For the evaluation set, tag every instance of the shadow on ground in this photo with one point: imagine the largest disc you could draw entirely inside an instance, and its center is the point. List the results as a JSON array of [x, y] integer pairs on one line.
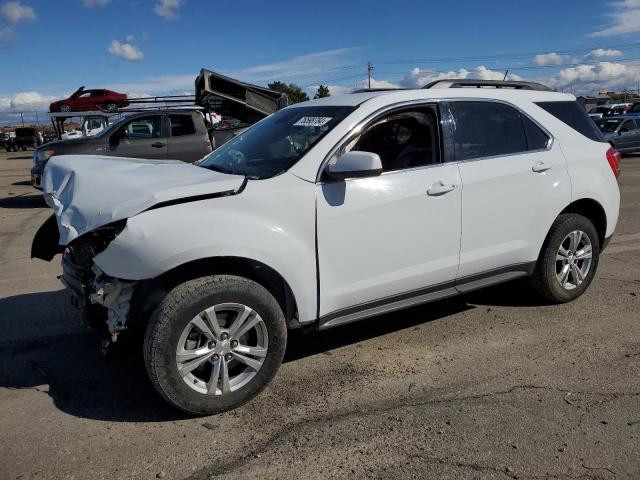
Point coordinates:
[[22, 182], [34, 200], [46, 346], [21, 157]]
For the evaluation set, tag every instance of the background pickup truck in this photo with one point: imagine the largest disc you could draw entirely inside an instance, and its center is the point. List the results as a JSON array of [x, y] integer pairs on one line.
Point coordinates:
[[159, 134]]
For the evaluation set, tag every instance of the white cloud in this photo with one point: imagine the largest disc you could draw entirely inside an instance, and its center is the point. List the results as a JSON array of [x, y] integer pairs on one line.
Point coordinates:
[[603, 76], [125, 50], [334, 89], [551, 58], [22, 101], [16, 12], [602, 53], [624, 19], [376, 84], [95, 3], [168, 8], [418, 78], [295, 66]]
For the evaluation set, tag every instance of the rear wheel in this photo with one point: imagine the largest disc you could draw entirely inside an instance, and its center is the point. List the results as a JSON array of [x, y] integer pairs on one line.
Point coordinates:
[[568, 260], [214, 343], [111, 107]]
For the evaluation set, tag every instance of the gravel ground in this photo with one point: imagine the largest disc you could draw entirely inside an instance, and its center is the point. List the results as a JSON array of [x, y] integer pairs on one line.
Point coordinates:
[[488, 385]]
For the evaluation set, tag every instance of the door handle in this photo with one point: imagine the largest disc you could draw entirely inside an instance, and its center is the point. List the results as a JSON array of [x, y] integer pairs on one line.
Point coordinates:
[[157, 145], [440, 188], [541, 166]]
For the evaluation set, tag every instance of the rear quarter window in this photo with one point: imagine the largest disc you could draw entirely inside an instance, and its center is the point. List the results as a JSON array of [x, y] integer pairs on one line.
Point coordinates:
[[181, 125], [574, 115]]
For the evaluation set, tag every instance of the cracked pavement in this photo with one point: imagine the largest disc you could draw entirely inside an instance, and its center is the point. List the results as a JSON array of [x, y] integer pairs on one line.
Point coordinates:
[[487, 385]]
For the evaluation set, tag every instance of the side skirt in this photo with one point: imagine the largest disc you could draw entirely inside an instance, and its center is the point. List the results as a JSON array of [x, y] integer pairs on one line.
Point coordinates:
[[424, 295]]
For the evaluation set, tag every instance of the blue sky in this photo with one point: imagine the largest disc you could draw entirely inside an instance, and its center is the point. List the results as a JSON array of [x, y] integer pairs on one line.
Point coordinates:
[[48, 48]]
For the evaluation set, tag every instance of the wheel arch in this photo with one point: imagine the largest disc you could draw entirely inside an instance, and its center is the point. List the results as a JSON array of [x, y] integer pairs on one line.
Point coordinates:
[[249, 268], [594, 211]]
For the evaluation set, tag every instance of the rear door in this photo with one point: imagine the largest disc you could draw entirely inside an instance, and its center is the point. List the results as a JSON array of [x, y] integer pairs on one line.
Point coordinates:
[[142, 137], [515, 182], [188, 140]]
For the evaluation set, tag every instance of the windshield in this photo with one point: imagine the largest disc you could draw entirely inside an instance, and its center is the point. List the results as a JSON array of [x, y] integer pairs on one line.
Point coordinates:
[[113, 127], [275, 144], [608, 125]]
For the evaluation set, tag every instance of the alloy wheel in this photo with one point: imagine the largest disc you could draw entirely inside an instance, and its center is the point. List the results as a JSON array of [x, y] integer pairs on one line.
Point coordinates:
[[574, 259], [222, 349]]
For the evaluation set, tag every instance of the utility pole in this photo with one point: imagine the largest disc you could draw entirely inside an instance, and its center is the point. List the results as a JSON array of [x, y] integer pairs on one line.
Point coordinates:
[[22, 118], [369, 70], [37, 120]]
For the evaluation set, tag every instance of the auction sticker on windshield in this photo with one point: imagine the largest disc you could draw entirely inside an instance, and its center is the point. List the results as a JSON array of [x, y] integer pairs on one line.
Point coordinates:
[[312, 121]]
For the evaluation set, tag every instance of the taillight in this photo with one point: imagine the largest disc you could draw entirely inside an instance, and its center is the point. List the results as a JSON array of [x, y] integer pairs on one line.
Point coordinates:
[[614, 157]]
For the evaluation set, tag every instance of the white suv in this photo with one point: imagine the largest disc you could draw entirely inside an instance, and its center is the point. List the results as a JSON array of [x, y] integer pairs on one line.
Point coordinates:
[[324, 213]]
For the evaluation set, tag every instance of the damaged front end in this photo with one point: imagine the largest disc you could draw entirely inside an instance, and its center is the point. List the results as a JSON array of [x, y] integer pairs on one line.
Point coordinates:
[[104, 301]]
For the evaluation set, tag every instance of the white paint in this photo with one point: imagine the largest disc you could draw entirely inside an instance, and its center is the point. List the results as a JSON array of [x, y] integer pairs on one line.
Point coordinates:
[[377, 236]]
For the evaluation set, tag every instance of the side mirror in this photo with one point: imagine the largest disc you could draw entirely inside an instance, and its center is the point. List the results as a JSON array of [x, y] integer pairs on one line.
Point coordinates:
[[355, 165]]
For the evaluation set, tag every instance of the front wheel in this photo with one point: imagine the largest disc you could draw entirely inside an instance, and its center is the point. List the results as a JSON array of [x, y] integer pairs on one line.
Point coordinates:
[[568, 260], [214, 343]]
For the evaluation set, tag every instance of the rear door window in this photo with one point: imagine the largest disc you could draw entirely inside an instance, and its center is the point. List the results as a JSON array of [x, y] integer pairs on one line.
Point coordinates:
[[575, 116], [487, 129], [537, 139], [181, 125]]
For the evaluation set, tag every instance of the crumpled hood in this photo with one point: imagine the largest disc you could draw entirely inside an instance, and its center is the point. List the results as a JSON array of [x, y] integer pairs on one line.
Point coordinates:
[[90, 191]]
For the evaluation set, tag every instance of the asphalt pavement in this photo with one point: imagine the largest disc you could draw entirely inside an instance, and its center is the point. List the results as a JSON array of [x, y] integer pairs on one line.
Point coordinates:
[[487, 385]]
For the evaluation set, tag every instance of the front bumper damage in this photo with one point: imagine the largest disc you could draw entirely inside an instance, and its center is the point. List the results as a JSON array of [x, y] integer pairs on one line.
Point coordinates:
[[104, 302], [91, 289]]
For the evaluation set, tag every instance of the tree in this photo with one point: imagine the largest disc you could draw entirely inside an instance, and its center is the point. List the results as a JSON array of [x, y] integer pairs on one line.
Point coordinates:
[[323, 91], [293, 91]]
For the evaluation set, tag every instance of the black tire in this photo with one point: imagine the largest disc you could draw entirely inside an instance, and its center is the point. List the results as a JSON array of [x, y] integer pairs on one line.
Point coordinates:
[[111, 107], [544, 280], [175, 312], [65, 108]]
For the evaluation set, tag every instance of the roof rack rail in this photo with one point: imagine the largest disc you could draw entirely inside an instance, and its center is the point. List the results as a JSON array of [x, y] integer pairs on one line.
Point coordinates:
[[381, 89], [464, 83]]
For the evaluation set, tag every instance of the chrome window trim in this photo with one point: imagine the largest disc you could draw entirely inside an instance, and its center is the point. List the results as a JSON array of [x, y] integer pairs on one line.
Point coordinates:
[[347, 137], [357, 129], [524, 152]]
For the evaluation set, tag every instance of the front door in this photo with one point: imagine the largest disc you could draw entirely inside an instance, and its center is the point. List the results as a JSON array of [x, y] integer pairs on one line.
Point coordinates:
[[395, 237], [141, 137]]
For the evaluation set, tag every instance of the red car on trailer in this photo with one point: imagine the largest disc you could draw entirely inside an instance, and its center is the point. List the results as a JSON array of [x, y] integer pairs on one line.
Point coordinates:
[[87, 100]]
